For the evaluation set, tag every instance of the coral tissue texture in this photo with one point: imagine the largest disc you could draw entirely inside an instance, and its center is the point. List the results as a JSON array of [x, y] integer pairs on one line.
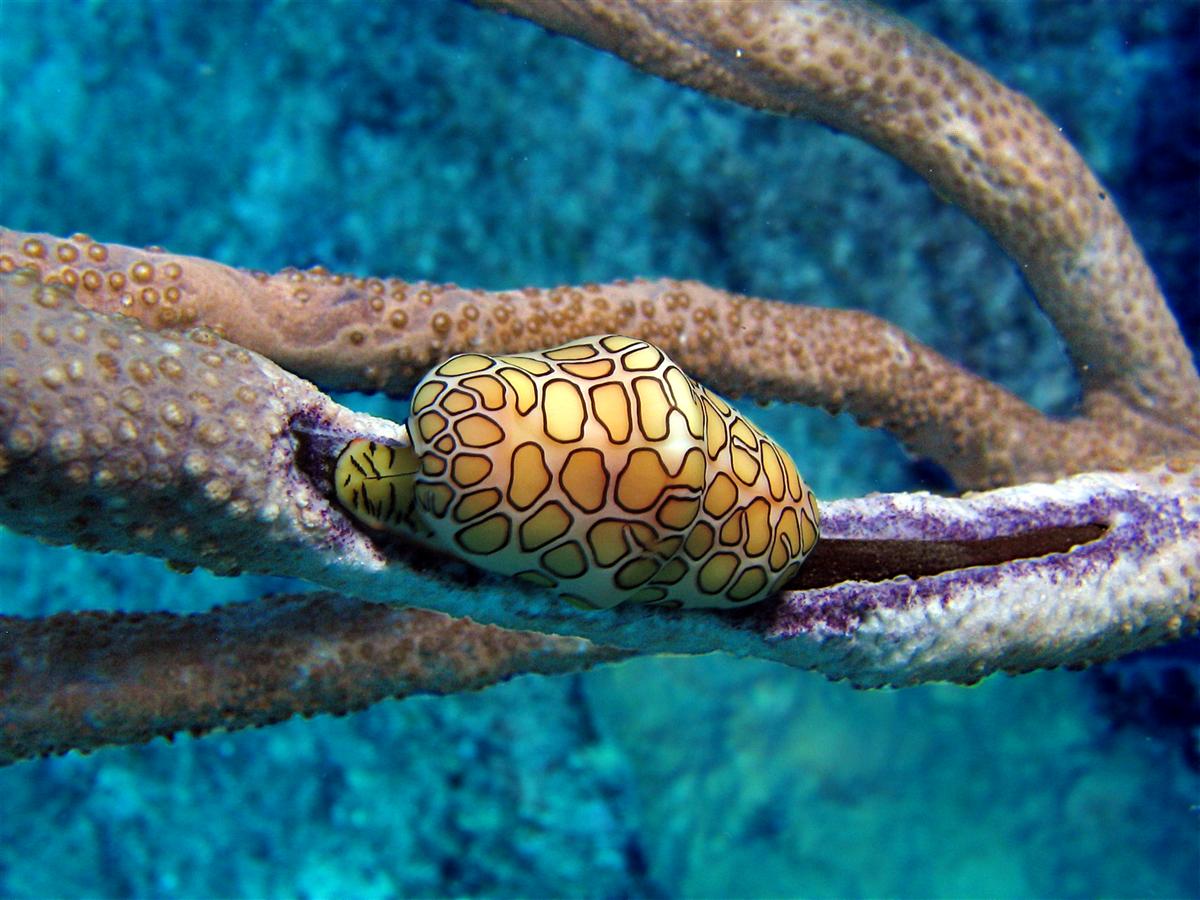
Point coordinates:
[[156, 674], [59, 478], [198, 445], [353, 332], [979, 144]]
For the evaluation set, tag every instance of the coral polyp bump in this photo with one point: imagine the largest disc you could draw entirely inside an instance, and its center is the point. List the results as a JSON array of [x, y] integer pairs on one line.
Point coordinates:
[[596, 468]]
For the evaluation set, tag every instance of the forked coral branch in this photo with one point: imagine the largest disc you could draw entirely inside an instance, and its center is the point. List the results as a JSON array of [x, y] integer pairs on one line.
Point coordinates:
[[122, 431]]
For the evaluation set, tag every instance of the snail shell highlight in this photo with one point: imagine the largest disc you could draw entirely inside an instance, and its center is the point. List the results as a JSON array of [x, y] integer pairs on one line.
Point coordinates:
[[598, 469]]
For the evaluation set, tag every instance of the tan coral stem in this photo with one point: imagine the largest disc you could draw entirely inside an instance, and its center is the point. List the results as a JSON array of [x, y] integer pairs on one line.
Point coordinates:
[[79, 681], [362, 333], [982, 146]]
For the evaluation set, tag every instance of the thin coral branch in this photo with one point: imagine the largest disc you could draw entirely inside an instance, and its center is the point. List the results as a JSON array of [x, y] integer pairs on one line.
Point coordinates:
[[350, 332], [79, 681], [982, 146], [126, 435], [97, 455], [849, 65]]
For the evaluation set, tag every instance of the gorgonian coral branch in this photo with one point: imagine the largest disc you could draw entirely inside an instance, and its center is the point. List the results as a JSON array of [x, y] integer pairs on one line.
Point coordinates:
[[984, 147], [349, 332], [193, 447], [849, 65], [98, 416], [78, 681]]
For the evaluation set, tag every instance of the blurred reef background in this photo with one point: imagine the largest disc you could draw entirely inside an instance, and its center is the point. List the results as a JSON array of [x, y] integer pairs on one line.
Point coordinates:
[[430, 140]]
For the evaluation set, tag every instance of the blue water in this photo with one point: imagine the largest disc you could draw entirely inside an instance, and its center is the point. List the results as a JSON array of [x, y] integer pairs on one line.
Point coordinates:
[[431, 140]]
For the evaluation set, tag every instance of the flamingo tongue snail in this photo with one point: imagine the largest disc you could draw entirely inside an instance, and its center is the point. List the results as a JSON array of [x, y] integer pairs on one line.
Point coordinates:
[[596, 468]]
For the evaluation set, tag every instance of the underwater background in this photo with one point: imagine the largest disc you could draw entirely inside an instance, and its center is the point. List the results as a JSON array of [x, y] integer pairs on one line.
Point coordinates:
[[431, 140]]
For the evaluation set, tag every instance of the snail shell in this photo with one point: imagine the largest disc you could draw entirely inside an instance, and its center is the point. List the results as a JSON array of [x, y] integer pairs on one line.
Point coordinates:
[[598, 469]]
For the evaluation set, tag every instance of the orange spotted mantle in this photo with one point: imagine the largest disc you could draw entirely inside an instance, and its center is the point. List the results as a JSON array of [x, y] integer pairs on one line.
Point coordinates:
[[598, 469]]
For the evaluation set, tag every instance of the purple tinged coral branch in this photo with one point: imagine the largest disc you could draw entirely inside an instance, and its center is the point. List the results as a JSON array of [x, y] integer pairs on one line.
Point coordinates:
[[252, 503], [1134, 586], [193, 447]]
